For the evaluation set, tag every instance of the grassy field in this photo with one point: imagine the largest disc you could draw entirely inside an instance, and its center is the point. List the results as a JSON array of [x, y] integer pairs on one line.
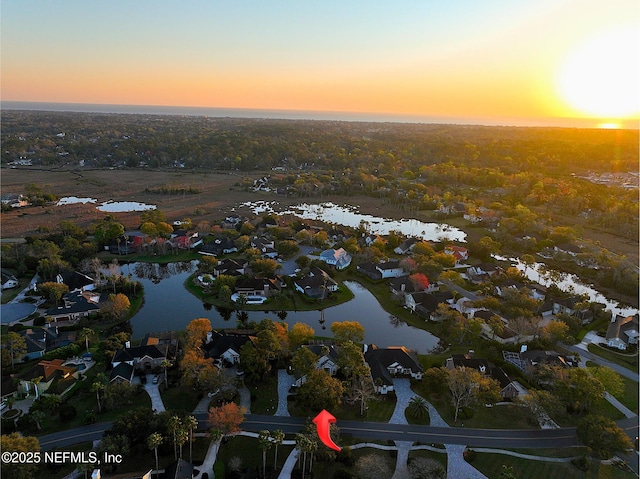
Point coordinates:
[[491, 466]]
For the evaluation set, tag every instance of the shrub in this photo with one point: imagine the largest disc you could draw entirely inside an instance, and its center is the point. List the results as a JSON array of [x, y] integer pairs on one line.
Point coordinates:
[[39, 321], [67, 412], [469, 455], [581, 463], [90, 418], [345, 456]]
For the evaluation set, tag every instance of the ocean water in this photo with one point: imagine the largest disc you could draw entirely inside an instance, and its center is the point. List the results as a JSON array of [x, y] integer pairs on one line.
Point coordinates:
[[290, 114]]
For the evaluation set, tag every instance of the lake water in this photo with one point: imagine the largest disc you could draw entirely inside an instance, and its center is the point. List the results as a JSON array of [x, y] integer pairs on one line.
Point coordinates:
[[348, 215], [570, 282], [169, 306], [107, 206]]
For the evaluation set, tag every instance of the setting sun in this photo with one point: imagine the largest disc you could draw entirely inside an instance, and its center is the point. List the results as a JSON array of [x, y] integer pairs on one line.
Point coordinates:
[[600, 77]]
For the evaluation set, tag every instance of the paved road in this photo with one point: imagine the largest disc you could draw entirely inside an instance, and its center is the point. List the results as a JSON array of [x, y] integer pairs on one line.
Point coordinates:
[[582, 350], [499, 438]]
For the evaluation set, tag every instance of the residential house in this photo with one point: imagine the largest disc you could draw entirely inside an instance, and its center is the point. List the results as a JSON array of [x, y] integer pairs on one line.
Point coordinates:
[[537, 291], [76, 281], [528, 360], [183, 239], [35, 342], [406, 246], [39, 341], [369, 239], [327, 361], [482, 272], [460, 253], [230, 267], [568, 248], [143, 359], [77, 304], [508, 389], [224, 346], [568, 306], [369, 269], [336, 257], [404, 285], [53, 377], [382, 270], [126, 244], [265, 246], [317, 284], [264, 287], [425, 304], [452, 208], [233, 220], [622, 332], [14, 200], [218, 246], [508, 284], [385, 363], [8, 280]]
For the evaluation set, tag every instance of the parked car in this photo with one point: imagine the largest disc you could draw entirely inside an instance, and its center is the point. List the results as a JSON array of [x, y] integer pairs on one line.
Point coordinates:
[[155, 379]]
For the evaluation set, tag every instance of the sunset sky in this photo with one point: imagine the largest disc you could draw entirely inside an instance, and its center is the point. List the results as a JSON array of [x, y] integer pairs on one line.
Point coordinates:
[[502, 61]]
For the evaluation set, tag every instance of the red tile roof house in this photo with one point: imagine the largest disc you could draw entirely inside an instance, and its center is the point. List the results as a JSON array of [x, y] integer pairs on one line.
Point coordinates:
[[460, 253], [44, 375]]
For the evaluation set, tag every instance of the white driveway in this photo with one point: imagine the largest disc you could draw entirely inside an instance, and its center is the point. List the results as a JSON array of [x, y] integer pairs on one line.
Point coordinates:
[[154, 393]]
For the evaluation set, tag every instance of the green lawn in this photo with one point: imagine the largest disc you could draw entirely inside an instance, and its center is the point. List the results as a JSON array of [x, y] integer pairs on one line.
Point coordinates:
[[629, 361], [264, 396], [379, 410], [491, 466], [246, 448], [180, 399]]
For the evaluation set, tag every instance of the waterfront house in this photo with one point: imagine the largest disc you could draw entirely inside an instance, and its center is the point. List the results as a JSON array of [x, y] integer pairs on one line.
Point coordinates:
[[336, 257], [317, 284]]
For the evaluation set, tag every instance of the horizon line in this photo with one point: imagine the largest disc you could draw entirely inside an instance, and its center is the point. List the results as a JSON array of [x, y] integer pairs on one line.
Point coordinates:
[[318, 115]]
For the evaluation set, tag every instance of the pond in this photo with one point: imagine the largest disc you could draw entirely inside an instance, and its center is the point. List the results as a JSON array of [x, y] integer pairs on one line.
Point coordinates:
[[348, 215], [169, 306], [107, 206]]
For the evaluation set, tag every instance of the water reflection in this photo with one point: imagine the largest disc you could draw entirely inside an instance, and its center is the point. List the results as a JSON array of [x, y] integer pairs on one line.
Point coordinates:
[[169, 306], [540, 273], [348, 215], [225, 313]]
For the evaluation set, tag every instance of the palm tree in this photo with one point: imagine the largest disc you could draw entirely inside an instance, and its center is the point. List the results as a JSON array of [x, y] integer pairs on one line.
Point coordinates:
[[418, 407], [164, 365], [98, 387], [190, 423], [153, 441], [86, 334], [38, 416], [182, 436], [264, 443], [173, 425], [278, 439]]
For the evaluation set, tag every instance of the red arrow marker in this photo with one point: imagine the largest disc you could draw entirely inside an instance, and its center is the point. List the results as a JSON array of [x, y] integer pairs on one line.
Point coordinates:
[[322, 422]]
